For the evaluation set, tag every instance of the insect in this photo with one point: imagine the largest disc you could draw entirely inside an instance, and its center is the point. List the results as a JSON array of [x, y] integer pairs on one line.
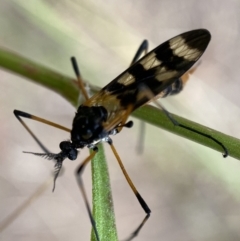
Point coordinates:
[[105, 113]]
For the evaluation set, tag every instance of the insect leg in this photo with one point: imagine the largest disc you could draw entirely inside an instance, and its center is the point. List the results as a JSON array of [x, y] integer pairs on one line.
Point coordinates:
[[78, 173], [142, 48], [129, 124], [20, 114], [8, 220], [150, 96], [79, 78], [137, 194]]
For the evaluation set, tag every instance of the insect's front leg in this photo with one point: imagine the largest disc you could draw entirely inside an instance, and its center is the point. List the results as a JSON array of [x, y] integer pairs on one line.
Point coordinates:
[[41, 189], [22, 114]]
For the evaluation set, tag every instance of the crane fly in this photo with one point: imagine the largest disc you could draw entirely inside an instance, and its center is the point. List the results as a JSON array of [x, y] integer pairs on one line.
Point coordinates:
[[157, 74]]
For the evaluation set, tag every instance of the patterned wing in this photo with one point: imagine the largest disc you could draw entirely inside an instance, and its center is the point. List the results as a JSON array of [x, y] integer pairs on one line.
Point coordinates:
[[155, 71]]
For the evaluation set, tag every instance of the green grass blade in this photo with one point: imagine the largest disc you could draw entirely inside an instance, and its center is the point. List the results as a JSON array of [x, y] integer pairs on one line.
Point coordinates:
[[102, 199]]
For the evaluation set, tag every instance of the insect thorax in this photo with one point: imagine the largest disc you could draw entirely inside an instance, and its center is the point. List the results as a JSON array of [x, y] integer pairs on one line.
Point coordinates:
[[87, 127]]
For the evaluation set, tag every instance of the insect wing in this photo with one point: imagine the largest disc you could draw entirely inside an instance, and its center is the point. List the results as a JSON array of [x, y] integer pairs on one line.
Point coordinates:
[[159, 68]]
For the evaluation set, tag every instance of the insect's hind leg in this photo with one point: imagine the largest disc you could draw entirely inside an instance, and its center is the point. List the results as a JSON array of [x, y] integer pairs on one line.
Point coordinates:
[[150, 96], [22, 114]]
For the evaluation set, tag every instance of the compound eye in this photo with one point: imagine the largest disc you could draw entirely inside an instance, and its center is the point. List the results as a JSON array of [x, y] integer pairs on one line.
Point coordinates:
[[72, 155], [87, 134]]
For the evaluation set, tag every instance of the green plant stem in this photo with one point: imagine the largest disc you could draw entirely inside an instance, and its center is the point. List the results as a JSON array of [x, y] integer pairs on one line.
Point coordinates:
[[37, 73], [102, 199], [158, 118]]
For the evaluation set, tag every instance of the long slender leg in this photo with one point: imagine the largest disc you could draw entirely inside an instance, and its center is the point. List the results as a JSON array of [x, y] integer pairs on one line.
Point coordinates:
[[79, 173], [20, 114], [46, 153], [137, 194], [8, 220], [143, 48], [150, 96], [79, 78]]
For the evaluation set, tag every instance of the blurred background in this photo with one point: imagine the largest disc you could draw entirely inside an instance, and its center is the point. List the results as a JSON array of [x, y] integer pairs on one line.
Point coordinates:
[[194, 193]]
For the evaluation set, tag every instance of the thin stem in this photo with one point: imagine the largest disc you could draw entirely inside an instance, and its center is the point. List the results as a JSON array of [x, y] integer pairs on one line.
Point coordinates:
[[158, 118], [102, 199]]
